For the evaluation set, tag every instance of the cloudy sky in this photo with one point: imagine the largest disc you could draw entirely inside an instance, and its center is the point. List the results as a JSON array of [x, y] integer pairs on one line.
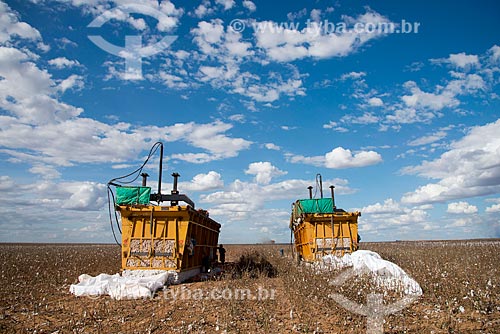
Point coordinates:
[[396, 103]]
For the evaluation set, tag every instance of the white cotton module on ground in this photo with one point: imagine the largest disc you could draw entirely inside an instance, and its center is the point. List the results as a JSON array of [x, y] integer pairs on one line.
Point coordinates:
[[384, 273], [132, 284]]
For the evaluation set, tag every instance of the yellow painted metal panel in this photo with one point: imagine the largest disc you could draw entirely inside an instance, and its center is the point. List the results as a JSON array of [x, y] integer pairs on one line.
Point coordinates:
[[320, 234], [166, 237]]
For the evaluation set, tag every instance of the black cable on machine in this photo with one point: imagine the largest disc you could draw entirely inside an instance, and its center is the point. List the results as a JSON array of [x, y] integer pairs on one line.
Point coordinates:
[[110, 191], [152, 151], [117, 182], [319, 185], [111, 219]]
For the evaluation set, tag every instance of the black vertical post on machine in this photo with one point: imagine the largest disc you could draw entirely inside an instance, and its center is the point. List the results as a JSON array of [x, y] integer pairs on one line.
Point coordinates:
[[144, 179], [310, 192], [176, 176], [333, 197], [174, 197], [318, 176], [174, 190], [160, 172]]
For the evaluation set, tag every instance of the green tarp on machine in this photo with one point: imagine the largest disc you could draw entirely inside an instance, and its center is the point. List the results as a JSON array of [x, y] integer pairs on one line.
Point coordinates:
[[320, 205], [132, 195]]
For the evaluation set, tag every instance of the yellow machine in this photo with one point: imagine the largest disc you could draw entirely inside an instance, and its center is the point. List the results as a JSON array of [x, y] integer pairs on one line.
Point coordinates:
[[166, 237], [162, 237], [320, 229]]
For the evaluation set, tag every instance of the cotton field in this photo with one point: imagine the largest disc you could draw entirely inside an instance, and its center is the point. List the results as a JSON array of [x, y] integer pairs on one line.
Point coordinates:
[[263, 290]]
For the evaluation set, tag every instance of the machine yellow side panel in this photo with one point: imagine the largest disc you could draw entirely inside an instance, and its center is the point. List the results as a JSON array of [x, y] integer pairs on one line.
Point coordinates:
[[166, 238], [323, 234]]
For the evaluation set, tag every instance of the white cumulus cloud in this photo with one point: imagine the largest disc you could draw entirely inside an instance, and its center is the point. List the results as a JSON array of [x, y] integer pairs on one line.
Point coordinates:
[[493, 208], [343, 158], [249, 5], [264, 171], [339, 158], [63, 62], [471, 167], [464, 60], [11, 27], [285, 44], [375, 102], [203, 182], [461, 208]]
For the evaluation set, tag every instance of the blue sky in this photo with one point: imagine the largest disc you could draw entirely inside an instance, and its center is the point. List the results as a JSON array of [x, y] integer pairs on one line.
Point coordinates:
[[252, 99]]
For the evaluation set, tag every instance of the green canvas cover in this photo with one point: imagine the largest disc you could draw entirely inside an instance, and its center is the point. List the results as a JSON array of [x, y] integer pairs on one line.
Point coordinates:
[[132, 195], [319, 205]]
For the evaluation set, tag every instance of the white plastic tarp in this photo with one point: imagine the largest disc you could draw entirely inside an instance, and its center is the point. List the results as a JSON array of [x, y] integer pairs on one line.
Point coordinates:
[[130, 285]]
